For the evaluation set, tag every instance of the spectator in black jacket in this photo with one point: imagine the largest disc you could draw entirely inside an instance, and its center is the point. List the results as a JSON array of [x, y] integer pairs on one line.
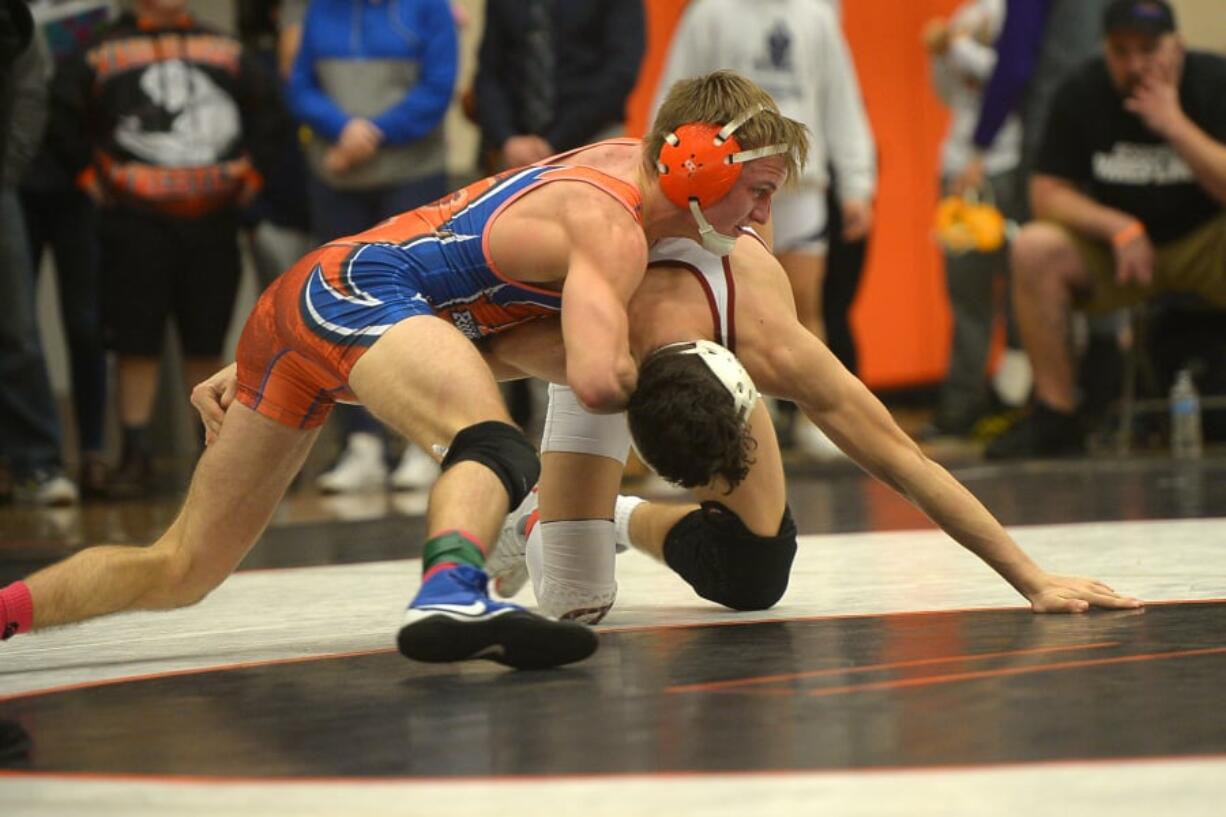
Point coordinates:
[[165, 122], [552, 76]]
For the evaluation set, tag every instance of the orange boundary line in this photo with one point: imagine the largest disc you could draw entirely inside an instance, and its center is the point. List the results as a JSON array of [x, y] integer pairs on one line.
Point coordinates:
[[720, 686], [1004, 671]]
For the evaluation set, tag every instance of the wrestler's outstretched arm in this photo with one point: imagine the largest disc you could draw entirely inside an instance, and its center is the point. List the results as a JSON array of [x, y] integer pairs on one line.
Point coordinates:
[[789, 362]]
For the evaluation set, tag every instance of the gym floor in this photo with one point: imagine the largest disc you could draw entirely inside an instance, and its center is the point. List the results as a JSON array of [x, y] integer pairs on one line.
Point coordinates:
[[898, 674]]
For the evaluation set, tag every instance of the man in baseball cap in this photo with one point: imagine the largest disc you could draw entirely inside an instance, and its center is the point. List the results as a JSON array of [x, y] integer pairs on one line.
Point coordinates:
[[1150, 17], [1129, 192]]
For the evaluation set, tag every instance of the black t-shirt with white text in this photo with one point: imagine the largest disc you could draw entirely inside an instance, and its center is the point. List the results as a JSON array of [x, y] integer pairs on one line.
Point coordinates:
[[1108, 152]]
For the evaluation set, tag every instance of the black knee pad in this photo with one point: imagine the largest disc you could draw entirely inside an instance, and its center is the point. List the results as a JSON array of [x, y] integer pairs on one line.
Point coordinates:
[[503, 449], [727, 563]]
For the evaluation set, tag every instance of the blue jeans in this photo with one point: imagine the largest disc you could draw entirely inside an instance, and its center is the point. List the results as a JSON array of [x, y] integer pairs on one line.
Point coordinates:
[[29, 424], [336, 213]]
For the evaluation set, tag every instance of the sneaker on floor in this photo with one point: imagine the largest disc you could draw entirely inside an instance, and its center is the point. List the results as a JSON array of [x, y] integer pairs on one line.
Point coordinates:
[[1043, 432], [454, 619], [46, 488], [417, 470], [359, 468], [506, 564]]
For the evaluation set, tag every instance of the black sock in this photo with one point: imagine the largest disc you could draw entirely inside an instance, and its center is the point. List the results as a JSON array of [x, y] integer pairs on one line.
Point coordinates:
[[136, 443]]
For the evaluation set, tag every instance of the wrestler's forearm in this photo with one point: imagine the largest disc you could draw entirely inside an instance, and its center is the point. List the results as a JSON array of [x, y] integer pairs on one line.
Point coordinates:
[[867, 432], [955, 509]]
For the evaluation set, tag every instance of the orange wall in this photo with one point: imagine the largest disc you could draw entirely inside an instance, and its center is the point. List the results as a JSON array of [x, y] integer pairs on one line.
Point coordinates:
[[901, 318]]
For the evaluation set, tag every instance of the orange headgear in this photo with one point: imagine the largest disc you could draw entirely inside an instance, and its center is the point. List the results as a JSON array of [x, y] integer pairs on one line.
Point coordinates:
[[701, 161]]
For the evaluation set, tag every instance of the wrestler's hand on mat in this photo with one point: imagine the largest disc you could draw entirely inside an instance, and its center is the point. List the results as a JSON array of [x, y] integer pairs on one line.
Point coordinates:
[[1073, 594], [212, 397]]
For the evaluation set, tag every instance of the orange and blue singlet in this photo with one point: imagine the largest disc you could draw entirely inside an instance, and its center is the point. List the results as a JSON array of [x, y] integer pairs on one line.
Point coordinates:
[[314, 322]]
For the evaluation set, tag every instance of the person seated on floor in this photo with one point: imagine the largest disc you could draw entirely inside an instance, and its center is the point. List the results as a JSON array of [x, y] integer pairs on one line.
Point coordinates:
[[1129, 188]]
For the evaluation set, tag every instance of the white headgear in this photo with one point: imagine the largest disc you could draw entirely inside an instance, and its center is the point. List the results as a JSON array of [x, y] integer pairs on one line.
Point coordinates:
[[726, 368]]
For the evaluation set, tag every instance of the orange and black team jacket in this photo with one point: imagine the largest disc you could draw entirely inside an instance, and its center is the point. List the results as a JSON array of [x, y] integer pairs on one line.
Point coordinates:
[[174, 119]]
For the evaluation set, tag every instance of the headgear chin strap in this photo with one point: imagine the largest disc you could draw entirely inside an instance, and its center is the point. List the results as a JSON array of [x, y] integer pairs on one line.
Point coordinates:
[[726, 368], [699, 163]]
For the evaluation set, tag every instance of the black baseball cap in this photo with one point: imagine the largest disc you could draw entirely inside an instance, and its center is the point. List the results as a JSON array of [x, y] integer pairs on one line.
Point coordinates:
[[1152, 17]]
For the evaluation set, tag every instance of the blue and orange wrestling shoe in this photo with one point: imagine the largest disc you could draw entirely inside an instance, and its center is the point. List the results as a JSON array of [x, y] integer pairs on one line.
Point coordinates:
[[454, 619]]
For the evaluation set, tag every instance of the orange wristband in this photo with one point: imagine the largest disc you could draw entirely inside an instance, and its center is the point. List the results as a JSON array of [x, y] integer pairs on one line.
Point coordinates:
[[1135, 229]]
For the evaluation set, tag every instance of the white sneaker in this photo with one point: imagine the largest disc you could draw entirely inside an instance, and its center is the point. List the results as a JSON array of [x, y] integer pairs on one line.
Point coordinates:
[[46, 489], [360, 467], [417, 470], [1013, 378], [506, 564], [813, 441]]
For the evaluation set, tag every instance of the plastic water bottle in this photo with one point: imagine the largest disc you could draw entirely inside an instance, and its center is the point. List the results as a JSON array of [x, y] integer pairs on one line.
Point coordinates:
[[1186, 440]]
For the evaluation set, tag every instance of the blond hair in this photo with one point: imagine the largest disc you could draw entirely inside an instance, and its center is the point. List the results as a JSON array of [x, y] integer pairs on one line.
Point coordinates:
[[718, 98]]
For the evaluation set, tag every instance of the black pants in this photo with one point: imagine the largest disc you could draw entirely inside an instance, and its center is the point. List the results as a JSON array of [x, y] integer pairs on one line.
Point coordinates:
[[844, 269]]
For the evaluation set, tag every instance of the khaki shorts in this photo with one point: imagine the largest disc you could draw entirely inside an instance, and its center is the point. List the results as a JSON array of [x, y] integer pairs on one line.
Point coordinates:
[[1194, 264]]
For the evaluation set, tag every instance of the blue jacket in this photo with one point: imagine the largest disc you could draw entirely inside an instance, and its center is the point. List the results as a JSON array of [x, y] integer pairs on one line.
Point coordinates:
[[353, 51]]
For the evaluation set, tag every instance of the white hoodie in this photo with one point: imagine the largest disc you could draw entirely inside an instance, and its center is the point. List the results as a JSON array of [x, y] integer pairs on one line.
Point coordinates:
[[794, 49]]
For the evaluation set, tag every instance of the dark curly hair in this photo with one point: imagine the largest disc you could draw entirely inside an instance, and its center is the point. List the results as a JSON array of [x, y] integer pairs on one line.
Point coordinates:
[[685, 425]]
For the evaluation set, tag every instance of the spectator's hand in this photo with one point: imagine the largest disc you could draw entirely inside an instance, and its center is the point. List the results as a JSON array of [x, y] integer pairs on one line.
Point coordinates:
[[857, 219], [1072, 594], [358, 141], [212, 397], [937, 36], [1155, 99], [525, 150], [336, 161], [1134, 261], [971, 177]]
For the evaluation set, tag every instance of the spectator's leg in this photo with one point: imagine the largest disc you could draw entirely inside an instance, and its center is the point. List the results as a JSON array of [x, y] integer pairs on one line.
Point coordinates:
[[1047, 269], [844, 269], [970, 281], [29, 428], [138, 253], [74, 241], [205, 288]]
